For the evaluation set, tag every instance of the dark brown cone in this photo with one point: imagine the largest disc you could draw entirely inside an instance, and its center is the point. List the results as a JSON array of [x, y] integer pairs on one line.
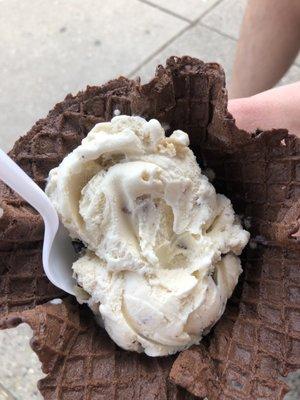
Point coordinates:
[[258, 338]]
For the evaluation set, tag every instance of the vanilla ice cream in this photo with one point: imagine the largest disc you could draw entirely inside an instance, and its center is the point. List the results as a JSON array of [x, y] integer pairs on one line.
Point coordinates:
[[162, 246]]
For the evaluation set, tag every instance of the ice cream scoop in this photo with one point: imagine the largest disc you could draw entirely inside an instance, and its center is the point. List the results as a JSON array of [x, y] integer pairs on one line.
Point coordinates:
[[162, 245]]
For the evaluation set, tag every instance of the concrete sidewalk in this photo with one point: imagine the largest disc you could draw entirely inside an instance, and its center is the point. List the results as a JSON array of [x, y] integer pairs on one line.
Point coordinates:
[[51, 48]]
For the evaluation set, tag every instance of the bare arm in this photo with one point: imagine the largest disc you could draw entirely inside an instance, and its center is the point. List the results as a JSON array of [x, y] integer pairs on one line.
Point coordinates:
[[275, 108], [269, 42]]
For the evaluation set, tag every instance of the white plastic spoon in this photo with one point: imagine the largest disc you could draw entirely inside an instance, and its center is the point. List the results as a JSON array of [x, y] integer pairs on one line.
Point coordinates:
[[58, 252]]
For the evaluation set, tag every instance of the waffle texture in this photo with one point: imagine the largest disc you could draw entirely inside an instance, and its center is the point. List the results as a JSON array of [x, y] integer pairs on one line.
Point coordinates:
[[82, 362], [258, 338]]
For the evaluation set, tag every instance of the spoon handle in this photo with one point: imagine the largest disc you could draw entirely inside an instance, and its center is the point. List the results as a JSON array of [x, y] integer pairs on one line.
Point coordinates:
[[20, 182]]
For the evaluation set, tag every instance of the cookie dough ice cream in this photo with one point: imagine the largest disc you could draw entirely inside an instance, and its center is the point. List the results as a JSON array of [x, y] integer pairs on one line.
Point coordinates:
[[162, 245]]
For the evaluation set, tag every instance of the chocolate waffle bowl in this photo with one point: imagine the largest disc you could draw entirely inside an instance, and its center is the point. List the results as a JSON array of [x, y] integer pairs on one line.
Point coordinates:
[[257, 341]]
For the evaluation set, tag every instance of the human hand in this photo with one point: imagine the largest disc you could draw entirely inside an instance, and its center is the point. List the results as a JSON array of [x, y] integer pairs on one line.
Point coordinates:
[[275, 108]]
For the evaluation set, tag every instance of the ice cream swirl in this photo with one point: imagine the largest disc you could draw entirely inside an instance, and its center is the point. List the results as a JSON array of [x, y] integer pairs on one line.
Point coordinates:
[[162, 246]]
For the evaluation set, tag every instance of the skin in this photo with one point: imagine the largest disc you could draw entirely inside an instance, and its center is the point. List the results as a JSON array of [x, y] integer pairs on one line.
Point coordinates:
[[275, 108], [269, 42]]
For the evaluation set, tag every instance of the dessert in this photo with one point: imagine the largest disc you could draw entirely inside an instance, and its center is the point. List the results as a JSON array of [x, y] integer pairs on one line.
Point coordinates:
[[257, 339], [163, 247]]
